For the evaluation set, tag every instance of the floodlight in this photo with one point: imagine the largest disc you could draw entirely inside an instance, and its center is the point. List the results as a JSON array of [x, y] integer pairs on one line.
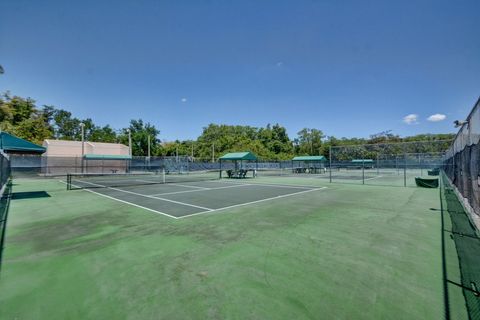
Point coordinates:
[[459, 123]]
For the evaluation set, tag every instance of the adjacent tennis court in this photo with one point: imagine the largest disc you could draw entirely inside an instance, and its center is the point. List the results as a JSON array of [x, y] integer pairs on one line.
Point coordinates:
[[185, 196]]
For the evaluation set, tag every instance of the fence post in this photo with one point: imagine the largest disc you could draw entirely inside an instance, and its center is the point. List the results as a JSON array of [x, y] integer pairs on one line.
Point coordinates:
[[420, 164], [220, 168], [330, 158], [363, 170]]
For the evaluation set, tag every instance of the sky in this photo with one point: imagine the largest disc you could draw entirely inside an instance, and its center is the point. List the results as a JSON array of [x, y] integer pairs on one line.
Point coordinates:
[[348, 68]]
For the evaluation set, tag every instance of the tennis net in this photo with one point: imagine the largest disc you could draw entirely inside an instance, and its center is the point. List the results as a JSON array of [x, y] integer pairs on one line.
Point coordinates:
[[117, 180], [291, 172]]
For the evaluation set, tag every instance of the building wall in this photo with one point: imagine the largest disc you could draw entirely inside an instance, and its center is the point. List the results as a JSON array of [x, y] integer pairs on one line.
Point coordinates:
[[74, 148]]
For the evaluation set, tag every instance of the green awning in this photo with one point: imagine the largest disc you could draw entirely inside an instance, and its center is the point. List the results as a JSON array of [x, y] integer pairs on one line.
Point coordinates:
[[309, 158], [238, 156], [10, 143], [107, 157], [362, 161]]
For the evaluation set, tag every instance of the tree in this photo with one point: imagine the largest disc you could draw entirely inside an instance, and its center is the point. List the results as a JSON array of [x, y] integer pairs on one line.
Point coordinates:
[[140, 132], [33, 129], [309, 141], [22, 118], [66, 127], [103, 134]]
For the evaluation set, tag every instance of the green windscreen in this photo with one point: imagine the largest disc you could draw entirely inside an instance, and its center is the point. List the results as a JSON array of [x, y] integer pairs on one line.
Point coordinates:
[[464, 234], [5, 192], [426, 182]]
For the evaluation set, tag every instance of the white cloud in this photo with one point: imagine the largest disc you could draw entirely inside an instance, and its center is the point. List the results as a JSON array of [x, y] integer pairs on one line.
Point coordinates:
[[184, 99], [411, 119], [437, 117]]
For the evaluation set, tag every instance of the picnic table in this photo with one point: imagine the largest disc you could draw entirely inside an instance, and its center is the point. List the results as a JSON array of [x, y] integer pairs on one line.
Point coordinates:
[[237, 174]]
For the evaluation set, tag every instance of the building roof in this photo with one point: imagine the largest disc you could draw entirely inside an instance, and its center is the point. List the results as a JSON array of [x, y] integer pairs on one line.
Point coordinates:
[[239, 156], [11, 143], [309, 158]]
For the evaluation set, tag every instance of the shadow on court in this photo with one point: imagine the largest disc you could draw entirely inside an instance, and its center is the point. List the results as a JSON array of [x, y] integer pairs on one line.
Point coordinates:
[[30, 195]]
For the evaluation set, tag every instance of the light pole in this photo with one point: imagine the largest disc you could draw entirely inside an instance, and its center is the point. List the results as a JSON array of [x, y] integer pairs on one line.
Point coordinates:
[[82, 127], [213, 152], [148, 147], [129, 142]]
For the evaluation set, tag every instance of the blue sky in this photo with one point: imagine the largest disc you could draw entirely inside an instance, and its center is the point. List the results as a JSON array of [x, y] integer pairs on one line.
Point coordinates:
[[349, 68]]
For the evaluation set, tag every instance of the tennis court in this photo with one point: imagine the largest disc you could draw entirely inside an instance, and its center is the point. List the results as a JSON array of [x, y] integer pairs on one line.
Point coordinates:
[[182, 198], [380, 176], [190, 244], [281, 248]]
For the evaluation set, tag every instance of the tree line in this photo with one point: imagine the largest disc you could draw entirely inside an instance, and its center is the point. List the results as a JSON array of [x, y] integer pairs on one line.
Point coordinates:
[[23, 118]]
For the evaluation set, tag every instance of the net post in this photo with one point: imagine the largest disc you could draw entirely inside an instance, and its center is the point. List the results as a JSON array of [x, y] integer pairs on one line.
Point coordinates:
[[404, 168], [163, 175], [69, 181]]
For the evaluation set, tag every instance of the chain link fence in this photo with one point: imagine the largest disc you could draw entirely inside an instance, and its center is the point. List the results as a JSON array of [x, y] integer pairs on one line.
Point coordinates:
[[5, 195], [462, 161], [389, 164], [31, 166]]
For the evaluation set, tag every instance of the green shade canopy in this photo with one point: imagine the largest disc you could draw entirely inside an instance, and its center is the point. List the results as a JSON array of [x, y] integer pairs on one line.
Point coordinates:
[[309, 158], [10, 143], [362, 160], [107, 157], [239, 156]]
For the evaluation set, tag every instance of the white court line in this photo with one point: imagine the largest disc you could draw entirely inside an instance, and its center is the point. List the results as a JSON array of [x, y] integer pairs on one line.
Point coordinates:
[[205, 189], [123, 201], [373, 178], [150, 181], [147, 196], [283, 185], [252, 202], [186, 186]]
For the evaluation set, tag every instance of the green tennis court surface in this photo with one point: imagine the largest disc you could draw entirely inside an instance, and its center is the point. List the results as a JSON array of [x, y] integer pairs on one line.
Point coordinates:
[[267, 248], [183, 199], [381, 176]]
